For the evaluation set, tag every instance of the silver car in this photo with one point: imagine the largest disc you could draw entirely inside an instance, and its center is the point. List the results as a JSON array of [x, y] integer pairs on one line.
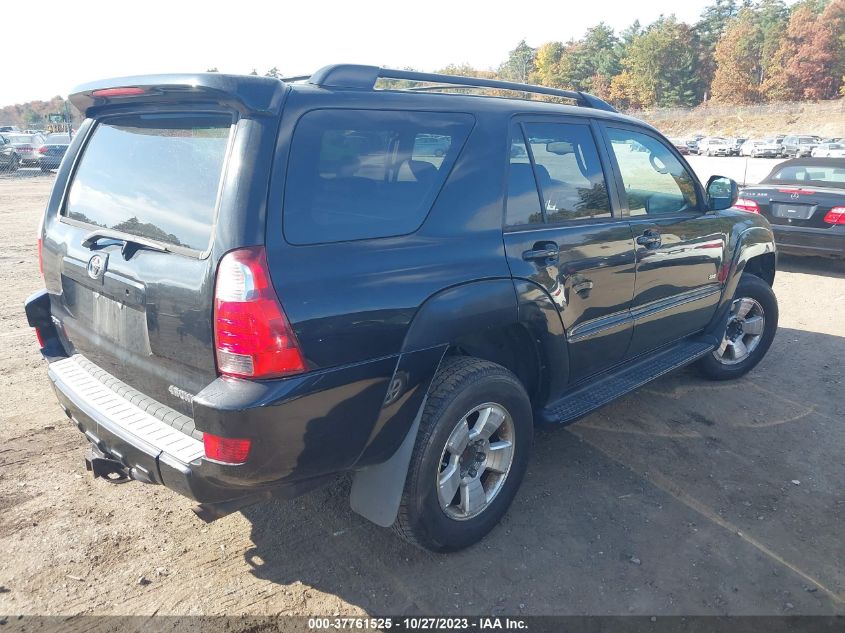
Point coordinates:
[[27, 146], [714, 146], [760, 147], [829, 150]]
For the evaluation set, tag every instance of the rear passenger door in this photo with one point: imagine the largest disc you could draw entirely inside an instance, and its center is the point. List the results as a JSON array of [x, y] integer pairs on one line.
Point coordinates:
[[679, 246], [561, 232]]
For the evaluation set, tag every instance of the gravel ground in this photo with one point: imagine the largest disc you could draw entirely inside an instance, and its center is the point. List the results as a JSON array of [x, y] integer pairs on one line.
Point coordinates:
[[686, 497]]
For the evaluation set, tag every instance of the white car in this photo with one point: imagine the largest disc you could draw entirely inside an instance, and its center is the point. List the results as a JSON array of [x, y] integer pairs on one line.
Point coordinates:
[[27, 146], [714, 146], [760, 147], [829, 150]]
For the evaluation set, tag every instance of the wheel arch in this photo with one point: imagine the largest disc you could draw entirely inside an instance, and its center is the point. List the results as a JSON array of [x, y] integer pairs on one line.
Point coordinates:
[[753, 251], [493, 319]]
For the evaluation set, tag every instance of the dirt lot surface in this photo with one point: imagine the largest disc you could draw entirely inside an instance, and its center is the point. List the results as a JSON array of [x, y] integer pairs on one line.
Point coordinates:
[[686, 497]]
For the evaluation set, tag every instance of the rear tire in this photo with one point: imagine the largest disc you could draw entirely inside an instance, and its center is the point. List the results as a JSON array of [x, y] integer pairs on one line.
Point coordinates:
[[13, 166], [460, 483], [749, 333]]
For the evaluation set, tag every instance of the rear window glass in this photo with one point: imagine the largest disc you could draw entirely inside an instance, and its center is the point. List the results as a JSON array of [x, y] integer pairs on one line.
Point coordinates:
[[59, 138], [832, 175], [358, 174], [153, 176]]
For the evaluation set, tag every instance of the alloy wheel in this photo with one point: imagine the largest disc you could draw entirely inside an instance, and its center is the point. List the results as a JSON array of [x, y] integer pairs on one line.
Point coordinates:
[[744, 332], [476, 461]]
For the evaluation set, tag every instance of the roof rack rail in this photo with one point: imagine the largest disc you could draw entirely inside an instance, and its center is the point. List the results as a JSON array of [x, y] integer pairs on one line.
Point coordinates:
[[365, 78]]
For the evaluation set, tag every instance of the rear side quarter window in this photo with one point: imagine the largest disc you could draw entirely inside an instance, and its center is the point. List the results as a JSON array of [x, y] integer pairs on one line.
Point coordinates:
[[360, 174]]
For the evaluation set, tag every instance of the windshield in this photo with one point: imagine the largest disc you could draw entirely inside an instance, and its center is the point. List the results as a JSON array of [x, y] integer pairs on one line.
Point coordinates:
[[154, 176]]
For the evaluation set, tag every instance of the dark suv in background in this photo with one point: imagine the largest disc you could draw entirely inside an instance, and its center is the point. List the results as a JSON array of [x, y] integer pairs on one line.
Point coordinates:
[[253, 285], [798, 146]]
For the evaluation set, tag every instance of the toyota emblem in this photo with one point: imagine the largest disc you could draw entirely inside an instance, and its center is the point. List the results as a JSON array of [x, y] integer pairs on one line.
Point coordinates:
[[96, 267]]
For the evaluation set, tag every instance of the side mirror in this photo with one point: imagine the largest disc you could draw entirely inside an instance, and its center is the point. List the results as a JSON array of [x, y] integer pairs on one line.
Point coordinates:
[[722, 193]]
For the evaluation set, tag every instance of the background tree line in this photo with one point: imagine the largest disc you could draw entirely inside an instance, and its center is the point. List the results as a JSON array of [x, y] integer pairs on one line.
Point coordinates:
[[739, 52]]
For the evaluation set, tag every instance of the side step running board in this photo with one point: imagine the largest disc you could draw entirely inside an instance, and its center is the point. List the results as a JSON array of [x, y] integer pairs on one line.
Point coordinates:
[[607, 387]]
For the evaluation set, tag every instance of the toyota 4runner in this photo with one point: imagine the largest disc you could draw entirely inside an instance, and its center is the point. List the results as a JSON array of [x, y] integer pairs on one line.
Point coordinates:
[[253, 285]]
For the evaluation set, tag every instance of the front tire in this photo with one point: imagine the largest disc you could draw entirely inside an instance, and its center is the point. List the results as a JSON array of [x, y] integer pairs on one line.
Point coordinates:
[[470, 456], [749, 333]]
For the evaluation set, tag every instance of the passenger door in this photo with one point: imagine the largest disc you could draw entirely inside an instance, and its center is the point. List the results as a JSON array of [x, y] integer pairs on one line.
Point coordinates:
[[561, 233], [679, 247]]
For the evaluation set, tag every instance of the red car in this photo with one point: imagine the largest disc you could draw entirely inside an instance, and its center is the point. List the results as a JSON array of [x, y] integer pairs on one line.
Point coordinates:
[[680, 145]]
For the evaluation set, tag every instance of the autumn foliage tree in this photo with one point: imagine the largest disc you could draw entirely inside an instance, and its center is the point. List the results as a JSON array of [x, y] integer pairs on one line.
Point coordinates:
[[737, 59]]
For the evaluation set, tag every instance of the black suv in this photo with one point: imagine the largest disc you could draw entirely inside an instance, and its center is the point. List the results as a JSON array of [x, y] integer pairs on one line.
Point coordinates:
[[253, 285]]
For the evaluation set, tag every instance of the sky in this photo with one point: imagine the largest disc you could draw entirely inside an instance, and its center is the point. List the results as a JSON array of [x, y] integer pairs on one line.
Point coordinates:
[[73, 43]]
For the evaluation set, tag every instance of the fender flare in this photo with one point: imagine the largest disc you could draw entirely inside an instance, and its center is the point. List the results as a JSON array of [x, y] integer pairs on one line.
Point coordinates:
[[750, 243], [446, 315]]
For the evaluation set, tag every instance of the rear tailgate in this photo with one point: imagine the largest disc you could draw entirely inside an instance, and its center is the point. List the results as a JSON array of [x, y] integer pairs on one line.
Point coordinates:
[[132, 236]]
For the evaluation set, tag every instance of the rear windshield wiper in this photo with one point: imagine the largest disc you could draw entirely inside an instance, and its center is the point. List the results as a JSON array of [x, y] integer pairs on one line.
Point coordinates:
[[130, 246]]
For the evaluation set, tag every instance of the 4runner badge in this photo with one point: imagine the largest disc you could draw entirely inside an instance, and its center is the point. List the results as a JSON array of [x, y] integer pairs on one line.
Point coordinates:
[[180, 393], [97, 266]]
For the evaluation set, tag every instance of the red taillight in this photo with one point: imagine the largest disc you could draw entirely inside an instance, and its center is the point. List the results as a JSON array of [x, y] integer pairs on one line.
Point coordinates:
[[835, 216], [252, 335], [40, 338], [744, 204], [118, 92], [42, 149], [806, 192], [225, 450]]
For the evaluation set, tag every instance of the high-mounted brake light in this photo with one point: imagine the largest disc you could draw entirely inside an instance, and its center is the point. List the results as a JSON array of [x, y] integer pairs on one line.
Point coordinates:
[[225, 450], [118, 92], [252, 335], [744, 204], [805, 192], [835, 216]]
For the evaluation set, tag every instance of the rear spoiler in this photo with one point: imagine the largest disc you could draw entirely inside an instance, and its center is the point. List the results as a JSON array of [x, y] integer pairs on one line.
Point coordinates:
[[248, 94]]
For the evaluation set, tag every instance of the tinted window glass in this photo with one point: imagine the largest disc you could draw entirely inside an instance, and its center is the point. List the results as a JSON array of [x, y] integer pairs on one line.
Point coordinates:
[[568, 171], [655, 181], [835, 176], [356, 174], [523, 202], [154, 176]]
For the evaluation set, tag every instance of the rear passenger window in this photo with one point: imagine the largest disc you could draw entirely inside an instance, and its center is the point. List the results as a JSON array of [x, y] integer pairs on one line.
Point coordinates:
[[357, 174], [567, 170]]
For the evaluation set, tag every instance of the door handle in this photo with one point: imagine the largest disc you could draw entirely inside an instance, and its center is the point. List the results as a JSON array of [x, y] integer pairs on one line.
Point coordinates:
[[649, 239], [542, 250]]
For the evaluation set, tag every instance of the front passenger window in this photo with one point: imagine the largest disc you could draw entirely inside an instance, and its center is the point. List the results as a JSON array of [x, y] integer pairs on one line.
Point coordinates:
[[656, 182]]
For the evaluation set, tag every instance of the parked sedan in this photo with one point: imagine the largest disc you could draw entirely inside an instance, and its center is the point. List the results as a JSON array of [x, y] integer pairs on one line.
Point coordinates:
[[680, 145], [27, 146], [804, 200], [831, 150], [53, 151], [9, 159], [736, 143], [714, 146], [760, 148]]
